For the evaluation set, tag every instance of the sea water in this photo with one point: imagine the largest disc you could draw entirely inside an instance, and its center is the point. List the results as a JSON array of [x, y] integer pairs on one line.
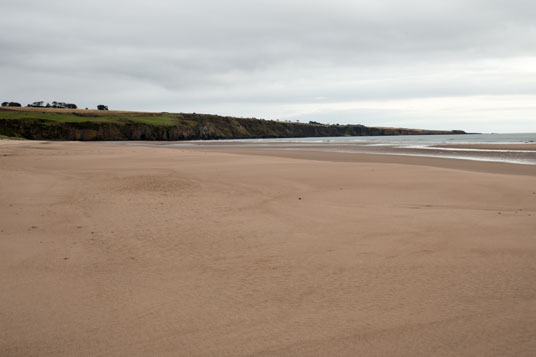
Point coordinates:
[[406, 145], [404, 139]]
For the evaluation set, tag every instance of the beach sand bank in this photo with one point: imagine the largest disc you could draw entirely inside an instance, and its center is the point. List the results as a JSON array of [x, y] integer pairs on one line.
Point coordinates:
[[110, 249]]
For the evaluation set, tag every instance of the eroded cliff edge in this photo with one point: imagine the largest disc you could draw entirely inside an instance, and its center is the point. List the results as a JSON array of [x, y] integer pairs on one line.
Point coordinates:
[[91, 125]]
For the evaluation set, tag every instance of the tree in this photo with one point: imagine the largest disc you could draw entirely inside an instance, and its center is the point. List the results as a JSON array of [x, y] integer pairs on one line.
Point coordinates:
[[102, 107]]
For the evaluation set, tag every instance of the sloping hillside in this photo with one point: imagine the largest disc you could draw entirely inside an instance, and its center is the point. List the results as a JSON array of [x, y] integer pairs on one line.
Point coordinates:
[[68, 124]]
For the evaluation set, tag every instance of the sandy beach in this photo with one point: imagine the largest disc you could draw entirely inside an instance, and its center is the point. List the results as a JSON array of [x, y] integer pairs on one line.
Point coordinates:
[[118, 250]]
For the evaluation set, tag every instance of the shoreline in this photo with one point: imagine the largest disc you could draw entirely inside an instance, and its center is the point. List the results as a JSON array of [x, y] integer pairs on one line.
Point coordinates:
[[492, 146], [517, 160]]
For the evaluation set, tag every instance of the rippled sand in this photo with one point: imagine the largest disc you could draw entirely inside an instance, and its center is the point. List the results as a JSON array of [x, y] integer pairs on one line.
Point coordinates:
[[110, 249]]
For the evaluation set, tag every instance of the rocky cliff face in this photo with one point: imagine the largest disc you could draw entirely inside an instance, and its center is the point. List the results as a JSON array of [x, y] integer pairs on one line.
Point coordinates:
[[189, 128]]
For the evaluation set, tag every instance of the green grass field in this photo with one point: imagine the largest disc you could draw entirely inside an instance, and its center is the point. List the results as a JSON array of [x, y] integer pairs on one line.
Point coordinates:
[[94, 117]]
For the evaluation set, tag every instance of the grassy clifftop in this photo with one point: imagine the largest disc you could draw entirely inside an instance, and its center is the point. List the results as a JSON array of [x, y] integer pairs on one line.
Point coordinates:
[[68, 124]]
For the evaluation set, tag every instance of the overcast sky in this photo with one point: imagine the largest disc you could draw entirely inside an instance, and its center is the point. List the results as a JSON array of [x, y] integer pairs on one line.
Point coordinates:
[[445, 64]]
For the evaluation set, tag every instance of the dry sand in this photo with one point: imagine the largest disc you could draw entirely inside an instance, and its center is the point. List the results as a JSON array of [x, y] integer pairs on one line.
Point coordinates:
[[109, 250]]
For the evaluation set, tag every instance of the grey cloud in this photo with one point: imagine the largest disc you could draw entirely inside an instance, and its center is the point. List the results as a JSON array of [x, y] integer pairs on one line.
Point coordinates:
[[184, 55]]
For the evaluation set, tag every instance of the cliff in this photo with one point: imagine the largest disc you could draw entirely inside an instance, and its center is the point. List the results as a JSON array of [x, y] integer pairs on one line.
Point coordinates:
[[109, 125]]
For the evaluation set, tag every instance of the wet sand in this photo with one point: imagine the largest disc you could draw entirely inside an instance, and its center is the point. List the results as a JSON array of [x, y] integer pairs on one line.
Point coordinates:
[[502, 153], [110, 249], [491, 146]]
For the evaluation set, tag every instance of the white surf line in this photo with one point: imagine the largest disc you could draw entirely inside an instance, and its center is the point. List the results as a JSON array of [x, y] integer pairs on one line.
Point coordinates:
[[431, 147], [470, 158]]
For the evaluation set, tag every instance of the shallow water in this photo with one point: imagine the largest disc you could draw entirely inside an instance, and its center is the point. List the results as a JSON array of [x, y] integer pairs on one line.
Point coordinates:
[[407, 145], [403, 139]]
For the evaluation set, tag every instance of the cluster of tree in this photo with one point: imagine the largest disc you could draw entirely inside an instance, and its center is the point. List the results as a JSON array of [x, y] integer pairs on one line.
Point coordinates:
[[54, 104], [11, 104], [60, 105]]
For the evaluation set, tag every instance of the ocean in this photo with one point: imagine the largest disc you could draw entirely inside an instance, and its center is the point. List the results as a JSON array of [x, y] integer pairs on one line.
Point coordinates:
[[520, 138], [519, 148]]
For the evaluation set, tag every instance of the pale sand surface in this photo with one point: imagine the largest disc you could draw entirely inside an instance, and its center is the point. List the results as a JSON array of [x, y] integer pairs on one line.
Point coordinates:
[[109, 250]]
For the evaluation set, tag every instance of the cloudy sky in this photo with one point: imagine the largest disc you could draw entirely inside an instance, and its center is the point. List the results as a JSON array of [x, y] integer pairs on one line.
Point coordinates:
[[445, 64]]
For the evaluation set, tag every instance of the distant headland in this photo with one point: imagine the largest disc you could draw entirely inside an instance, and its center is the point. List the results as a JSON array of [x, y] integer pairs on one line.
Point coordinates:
[[64, 121]]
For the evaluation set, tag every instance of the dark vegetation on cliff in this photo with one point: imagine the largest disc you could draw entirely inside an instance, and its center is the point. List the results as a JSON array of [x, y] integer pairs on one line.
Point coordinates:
[[65, 124]]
